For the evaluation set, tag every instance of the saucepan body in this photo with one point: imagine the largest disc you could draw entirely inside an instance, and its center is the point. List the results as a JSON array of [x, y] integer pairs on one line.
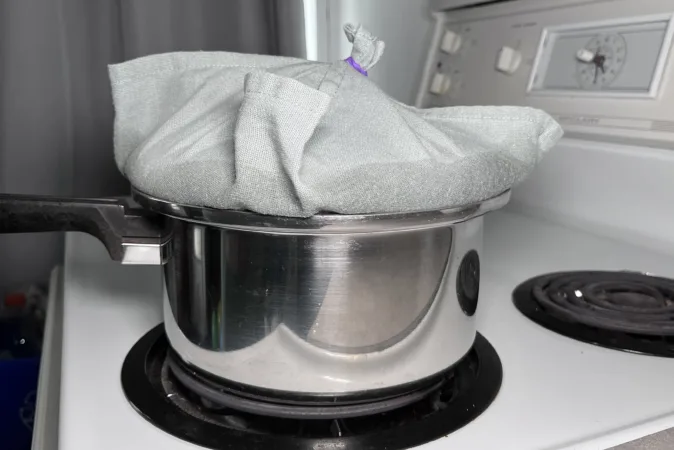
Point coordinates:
[[332, 305], [328, 305]]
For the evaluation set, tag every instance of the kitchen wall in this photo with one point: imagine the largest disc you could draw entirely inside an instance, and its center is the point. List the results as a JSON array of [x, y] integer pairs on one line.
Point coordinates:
[[576, 184], [405, 26]]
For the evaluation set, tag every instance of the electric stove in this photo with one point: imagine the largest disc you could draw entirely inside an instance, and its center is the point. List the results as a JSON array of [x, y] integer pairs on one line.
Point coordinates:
[[562, 382]]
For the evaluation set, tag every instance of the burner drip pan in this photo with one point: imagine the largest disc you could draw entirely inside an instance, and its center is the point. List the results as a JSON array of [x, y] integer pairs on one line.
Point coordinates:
[[627, 311], [161, 388]]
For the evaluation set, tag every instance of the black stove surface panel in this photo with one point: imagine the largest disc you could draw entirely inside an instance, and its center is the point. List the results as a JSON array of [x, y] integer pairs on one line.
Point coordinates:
[[157, 394], [627, 311]]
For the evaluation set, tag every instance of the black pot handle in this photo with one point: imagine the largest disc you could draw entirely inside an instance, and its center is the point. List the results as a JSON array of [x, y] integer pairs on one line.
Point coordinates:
[[131, 234]]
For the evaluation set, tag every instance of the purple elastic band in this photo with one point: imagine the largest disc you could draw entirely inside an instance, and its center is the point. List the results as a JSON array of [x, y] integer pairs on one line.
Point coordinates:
[[356, 66]]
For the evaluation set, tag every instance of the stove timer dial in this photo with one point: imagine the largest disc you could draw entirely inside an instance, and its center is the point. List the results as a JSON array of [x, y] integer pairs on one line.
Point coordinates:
[[614, 58], [600, 61]]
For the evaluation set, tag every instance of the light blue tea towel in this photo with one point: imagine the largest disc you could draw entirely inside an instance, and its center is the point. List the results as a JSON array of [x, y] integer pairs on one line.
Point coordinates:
[[290, 137]]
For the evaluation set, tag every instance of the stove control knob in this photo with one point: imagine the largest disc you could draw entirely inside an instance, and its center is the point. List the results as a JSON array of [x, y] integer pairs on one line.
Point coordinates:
[[508, 60], [451, 42], [440, 84]]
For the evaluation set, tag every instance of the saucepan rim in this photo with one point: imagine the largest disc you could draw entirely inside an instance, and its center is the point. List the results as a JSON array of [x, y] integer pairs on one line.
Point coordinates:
[[325, 223]]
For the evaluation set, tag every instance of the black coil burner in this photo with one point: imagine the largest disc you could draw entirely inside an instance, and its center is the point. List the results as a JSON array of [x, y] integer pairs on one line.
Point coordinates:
[[171, 395], [621, 310]]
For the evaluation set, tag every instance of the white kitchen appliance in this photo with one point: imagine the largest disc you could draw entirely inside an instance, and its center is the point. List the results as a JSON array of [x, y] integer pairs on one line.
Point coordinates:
[[600, 67], [593, 204]]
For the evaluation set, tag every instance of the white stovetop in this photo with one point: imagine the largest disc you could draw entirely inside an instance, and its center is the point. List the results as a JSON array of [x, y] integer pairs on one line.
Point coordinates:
[[557, 393]]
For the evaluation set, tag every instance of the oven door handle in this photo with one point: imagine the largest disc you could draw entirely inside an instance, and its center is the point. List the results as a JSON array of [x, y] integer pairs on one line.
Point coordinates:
[[131, 234]]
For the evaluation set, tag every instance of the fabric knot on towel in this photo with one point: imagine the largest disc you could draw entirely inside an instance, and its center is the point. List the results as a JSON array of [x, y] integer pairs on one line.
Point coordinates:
[[367, 49]]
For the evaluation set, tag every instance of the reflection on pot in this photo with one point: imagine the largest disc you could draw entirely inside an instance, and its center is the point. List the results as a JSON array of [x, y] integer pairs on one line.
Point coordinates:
[[349, 293]]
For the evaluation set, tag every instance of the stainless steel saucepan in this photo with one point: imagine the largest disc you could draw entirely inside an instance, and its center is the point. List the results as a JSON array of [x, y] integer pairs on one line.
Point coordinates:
[[329, 305]]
